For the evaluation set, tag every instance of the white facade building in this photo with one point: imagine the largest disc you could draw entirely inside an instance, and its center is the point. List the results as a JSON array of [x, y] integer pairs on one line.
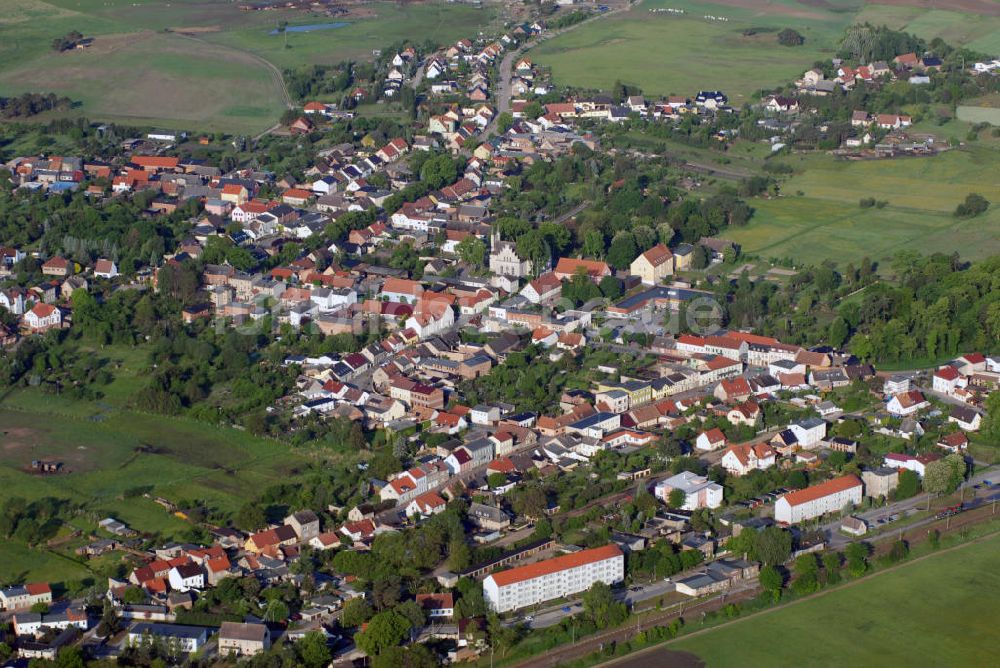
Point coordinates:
[[809, 432], [553, 578], [827, 497], [186, 639], [699, 491]]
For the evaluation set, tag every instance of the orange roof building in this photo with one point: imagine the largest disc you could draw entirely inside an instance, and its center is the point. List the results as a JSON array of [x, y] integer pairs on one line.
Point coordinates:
[[567, 266], [559, 577], [827, 497]]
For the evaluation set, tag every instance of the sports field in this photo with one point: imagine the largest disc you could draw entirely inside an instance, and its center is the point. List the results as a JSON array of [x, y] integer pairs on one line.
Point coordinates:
[[938, 611], [826, 221], [197, 64]]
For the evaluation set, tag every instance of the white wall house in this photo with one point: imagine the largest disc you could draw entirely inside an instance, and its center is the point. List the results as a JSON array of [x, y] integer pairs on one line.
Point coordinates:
[[553, 578], [186, 576]]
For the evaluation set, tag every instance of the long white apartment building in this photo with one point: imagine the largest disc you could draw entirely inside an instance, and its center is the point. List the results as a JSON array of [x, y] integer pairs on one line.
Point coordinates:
[[553, 578], [827, 497]]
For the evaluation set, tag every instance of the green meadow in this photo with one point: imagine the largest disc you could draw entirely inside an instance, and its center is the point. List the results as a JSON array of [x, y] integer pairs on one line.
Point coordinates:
[[893, 619], [221, 73], [818, 216], [665, 53]]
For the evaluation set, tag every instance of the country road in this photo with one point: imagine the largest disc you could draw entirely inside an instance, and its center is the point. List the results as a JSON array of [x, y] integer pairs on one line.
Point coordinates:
[[503, 96]]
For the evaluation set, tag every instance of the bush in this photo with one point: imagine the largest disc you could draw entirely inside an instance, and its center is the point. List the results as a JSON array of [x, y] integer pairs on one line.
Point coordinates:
[[973, 205], [790, 37]]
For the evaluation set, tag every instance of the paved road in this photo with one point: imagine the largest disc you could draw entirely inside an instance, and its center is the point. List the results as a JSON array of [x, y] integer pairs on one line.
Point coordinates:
[[555, 614], [837, 540], [418, 76], [504, 91]]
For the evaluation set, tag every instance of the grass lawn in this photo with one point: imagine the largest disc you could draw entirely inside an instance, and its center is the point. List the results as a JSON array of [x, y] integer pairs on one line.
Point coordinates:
[[933, 612], [826, 221], [120, 451], [108, 451], [216, 78], [669, 54], [147, 78], [437, 22], [23, 564], [976, 31]]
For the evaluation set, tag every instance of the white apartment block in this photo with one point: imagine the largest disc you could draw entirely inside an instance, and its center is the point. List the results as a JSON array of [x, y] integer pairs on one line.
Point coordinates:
[[827, 497], [699, 491], [553, 578]]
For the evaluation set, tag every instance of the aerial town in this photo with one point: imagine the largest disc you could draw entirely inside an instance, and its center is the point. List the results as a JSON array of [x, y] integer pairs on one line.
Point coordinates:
[[468, 360]]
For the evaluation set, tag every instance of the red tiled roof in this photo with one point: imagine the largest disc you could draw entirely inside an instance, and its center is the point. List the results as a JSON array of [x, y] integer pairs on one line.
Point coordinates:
[[827, 488], [691, 340], [752, 338], [955, 440], [720, 362], [218, 565], [736, 386], [594, 268], [948, 373], [501, 465], [297, 193], [436, 601], [402, 286], [164, 162], [36, 588], [715, 435], [657, 255], [549, 566], [911, 398], [43, 310]]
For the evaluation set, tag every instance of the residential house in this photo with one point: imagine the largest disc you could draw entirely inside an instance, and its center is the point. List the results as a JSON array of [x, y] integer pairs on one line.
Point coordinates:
[[713, 439], [947, 379], [42, 317], [185, 577], [742, 459], [916, 463], [57, 266], [437, 606], [809, 432], [305, 523], [488, 518], [595, 269], [955, 442], [18, 597], [238, 639], [907, 403], [968, 419], [425, 505], [654, 265], [105, 269]]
